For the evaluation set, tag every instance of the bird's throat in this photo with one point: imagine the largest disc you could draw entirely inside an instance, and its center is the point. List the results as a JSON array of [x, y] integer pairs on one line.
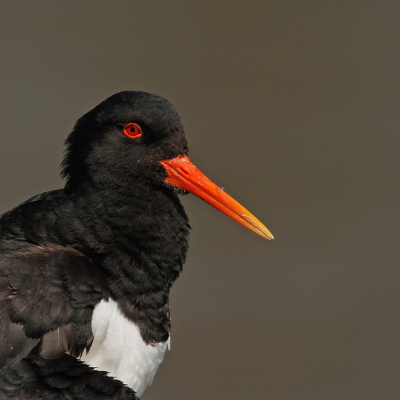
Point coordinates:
[[142, 246]]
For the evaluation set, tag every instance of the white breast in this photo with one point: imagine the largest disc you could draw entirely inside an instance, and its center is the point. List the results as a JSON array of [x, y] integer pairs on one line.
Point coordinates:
[[119, 348]]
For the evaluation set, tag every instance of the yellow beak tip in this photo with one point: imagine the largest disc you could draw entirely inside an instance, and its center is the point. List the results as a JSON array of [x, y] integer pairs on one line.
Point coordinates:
[[269, 236]]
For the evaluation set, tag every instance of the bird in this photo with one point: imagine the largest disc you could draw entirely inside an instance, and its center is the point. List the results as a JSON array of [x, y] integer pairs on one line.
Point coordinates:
[[86, 270]]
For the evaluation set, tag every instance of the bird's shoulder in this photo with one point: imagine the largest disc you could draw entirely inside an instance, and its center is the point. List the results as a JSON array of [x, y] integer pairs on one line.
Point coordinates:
[[29, 222]]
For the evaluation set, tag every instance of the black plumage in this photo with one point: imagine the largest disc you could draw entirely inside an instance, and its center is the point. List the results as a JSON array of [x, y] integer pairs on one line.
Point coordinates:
[[116, 230], [35, 378]]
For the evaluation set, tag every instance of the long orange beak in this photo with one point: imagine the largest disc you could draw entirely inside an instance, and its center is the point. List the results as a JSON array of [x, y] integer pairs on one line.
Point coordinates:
[[182, 173]]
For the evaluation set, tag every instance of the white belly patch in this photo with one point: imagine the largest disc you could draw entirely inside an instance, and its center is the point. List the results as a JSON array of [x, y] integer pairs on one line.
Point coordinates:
[[119, 348]]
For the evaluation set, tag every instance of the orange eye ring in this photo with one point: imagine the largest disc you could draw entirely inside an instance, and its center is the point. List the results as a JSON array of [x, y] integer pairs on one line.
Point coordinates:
[[133, 130]]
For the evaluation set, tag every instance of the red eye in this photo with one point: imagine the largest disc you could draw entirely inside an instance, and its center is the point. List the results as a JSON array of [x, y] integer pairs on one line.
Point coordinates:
[[133, 130]]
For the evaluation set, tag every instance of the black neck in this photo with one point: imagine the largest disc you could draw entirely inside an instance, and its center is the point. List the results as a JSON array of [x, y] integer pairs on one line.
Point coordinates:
[[140, 237]]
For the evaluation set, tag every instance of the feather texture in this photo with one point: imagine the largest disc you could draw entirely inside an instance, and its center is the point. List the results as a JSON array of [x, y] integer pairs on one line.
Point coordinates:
[[119, 348]]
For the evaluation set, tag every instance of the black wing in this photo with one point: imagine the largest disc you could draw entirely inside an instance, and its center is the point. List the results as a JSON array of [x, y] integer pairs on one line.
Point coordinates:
[[47, 296]]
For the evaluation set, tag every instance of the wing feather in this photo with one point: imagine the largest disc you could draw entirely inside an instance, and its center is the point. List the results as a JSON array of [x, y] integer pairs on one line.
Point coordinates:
[[47, 296]]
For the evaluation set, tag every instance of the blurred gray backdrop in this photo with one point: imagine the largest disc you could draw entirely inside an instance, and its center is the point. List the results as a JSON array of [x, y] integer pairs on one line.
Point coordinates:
[[292, 107]]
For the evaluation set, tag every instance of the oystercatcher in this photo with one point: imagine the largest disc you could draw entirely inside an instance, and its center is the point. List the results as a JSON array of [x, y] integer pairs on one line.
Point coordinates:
[[85, 271]]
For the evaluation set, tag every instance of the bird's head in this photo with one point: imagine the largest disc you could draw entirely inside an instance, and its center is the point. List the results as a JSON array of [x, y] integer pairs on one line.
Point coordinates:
[[134, 140]]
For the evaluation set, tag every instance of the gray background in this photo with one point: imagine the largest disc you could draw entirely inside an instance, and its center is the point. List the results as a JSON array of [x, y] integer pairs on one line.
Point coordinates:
[[293, 107]]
